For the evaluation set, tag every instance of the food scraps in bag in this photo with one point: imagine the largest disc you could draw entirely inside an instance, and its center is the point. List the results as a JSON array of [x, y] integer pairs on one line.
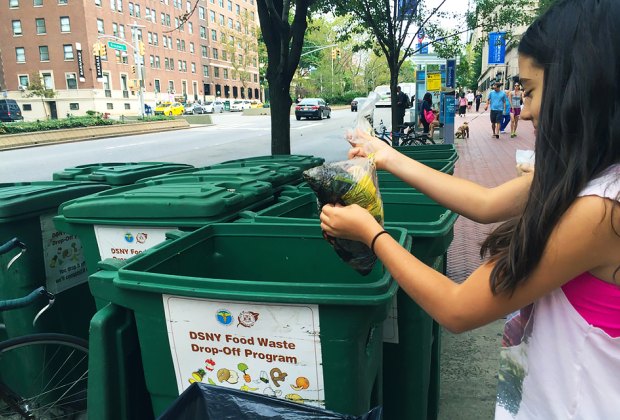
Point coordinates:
[[349, 182]]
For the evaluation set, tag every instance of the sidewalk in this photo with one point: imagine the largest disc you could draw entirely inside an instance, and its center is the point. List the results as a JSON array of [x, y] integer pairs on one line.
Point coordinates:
[[469, 361]]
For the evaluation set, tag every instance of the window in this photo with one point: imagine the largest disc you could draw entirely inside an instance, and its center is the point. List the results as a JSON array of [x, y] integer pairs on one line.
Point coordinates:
[[127, 105], [178, 44], [229, 5], [99, 26], [37, 3], [165, 41], [121, 31], [203, 32], [20, 54], [221, 3], [157, 86], [48, 80], [216, 72], [167, 19], [230, 23], [225, 73], [162, 17], [114, 29], [27, 107], [44, 54], [215, 53], [190, 27], [193, 67], [119, 5], [109, 105], [74, 106], [23, 80], [255, 78], [201, 13], [238, 26], [157, 62], [137, 11], [98, 3], [130, 7], [237, 9], [212, 16], [224, 55], [147, 13], [191, 47], [152, 61], [222, 20], [17, 27], [68, 50], [222, 37], [13, 4], [149, 37], [205, 71], [65, 24], [213, 34], [204, 51], [71, 80], [155, 39], [170, 86], [112, 4]]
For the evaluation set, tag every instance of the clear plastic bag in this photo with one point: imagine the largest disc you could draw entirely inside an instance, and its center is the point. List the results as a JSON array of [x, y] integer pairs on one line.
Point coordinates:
[[349, 182], [364, 118]]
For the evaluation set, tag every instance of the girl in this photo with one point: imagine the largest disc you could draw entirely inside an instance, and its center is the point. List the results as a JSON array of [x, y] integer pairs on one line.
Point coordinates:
[[554, 266], [516, 97]]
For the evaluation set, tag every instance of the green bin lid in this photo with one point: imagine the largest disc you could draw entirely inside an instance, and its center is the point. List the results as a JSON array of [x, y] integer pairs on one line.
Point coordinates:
[[302, 161], [18, 200], [276, 174], [117, 173], [159, 203], [253, 262]]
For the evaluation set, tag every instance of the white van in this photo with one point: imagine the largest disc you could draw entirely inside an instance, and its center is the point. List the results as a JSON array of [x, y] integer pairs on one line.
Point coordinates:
[[384, 92]]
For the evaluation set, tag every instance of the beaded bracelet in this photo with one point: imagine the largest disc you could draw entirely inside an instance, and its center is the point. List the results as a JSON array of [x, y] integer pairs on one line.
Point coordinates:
[[372, 244]]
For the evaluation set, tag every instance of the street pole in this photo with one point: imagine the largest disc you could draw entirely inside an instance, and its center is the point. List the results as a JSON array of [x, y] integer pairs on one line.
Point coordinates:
[[332, 91], [139, 64]]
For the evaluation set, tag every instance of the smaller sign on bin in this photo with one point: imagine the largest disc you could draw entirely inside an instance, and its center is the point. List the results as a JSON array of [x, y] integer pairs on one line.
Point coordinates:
[[123, 242], [274, 350]]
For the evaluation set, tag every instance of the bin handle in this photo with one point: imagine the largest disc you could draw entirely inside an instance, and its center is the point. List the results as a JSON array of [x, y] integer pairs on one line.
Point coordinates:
[[246, 214], [10, 245]]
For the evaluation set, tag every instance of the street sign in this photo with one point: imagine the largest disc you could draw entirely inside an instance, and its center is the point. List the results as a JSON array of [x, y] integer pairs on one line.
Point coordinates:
[[433, 82], [423, 48], [497, 48], [451, 73], [98, 68], [117, 46]]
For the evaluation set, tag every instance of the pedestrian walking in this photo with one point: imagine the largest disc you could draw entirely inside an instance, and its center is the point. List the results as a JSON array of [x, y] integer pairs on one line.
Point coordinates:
[[505, 117], [516, 99], [462, 105], [402, 103], [470, 99], [554, 263], [497, 99], [478, 99]]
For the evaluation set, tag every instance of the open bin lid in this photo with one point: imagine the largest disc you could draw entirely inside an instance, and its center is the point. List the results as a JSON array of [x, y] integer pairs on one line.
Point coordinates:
[[122, 173], [158, 203], [277, 174], [290, 271], [23, 199], [302, 161]]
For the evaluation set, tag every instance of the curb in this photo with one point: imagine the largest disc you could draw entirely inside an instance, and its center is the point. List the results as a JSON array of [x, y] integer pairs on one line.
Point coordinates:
[[42, 138]]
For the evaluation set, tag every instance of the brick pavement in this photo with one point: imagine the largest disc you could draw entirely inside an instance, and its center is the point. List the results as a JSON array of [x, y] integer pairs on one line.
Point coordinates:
[[469, 361]]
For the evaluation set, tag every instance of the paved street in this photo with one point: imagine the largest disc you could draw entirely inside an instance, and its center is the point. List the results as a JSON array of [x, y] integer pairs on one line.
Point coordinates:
[[232, 136]]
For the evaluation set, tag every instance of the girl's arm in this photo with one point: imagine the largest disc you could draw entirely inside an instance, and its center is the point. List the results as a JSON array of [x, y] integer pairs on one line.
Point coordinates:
[[478, 203], [583, 240]]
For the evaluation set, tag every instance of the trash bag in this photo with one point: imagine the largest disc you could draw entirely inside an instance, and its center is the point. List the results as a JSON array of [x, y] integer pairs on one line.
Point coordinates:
[[349, 182], [209, 402]]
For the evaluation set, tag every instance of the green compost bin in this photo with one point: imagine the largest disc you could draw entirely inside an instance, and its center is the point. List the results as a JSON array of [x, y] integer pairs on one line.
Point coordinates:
[[302, 161], [117, 174], [411, 348], [277, 174], [124, 221], [430, 152], [264, 308], [54, 260]]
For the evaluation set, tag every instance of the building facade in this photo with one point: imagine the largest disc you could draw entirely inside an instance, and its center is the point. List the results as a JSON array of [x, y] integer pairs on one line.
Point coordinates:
[[187, 57]]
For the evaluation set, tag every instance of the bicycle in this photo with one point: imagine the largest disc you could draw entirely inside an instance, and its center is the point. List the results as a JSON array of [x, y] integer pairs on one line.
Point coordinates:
[[45, 375], [405, 136]]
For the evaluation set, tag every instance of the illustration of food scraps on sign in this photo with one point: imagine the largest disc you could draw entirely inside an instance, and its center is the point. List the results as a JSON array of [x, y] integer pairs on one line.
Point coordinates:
[[265, 349]]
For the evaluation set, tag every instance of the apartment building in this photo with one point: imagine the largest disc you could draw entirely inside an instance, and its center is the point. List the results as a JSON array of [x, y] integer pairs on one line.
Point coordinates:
[[183, 61]]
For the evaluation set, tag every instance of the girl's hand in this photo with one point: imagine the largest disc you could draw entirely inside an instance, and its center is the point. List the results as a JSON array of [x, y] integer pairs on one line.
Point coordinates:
[[365, 144], [350, 222]]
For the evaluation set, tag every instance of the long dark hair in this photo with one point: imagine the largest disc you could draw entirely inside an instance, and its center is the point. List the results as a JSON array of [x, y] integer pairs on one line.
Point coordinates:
[[577, 44], [428, 98]]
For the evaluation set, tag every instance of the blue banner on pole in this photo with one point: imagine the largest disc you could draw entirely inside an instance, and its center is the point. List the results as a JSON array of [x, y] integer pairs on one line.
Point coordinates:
[[497, 47], [451, 73], [423, 48], [407, 8]]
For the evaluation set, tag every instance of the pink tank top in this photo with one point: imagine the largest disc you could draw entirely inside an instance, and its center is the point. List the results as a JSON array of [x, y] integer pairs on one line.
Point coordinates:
[[597, 301]]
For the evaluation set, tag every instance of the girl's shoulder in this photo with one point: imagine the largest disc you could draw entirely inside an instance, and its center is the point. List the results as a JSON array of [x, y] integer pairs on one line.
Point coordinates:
[[606, 185]]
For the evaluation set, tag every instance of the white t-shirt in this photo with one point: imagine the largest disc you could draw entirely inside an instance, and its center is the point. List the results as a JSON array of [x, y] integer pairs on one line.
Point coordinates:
[[554, 364]]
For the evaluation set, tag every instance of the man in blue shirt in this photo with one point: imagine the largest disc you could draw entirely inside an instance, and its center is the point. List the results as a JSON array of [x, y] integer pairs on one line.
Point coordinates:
[[498, 101]]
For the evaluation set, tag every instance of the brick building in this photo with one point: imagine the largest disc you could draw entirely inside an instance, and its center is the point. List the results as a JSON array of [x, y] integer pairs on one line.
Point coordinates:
[[193, 50]]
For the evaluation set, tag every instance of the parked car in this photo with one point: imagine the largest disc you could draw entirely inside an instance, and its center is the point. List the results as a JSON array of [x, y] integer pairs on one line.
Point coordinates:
[[357, 103], [194, 108], [312, 108], [168, 108], [256, 104], [10, 111], [211, 107], [240, 105]]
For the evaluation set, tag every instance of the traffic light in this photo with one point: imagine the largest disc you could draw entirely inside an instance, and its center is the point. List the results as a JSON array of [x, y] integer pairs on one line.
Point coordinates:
[[133, 69], [103, 51], [141, 47], [338, 53], [96, 48], [333, 53]]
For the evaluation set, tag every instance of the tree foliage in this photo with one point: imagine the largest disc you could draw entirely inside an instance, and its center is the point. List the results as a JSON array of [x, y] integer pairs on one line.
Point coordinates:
[[37, 89], [241, 47]]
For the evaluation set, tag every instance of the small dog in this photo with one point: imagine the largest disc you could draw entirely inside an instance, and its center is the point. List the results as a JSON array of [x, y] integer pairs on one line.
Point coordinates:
[[462, 132]]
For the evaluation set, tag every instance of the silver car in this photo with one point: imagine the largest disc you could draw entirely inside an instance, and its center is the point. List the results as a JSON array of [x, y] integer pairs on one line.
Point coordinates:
[[211, 107]]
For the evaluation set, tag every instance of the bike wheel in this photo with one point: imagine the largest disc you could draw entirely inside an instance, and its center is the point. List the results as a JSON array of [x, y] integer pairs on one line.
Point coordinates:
[[43, 376]]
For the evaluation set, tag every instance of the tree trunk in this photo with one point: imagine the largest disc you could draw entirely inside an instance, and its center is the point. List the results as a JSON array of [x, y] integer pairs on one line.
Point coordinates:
[[395, 109], [280, 104]]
